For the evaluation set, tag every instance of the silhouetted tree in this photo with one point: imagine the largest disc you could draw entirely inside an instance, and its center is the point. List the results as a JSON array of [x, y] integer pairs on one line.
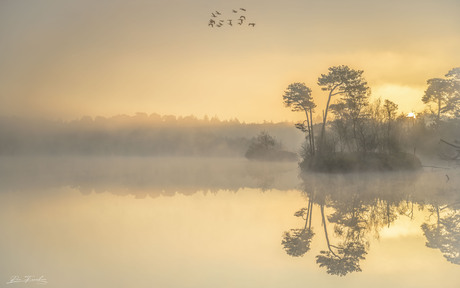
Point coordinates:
[[390, 109], [341, 127], [453, 103], [444, 234], [296, 242], [262, 144], [445, 93], [352, 111], [265, 147], [352, 224], [344, 261], [341, 80], [345, 257], [298, 97]]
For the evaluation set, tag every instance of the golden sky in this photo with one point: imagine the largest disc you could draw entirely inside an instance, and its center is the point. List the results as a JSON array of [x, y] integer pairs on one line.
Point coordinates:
[[70, 58]]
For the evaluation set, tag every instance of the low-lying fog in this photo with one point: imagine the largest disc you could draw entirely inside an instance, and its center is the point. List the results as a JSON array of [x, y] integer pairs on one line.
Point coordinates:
[[82, 211]]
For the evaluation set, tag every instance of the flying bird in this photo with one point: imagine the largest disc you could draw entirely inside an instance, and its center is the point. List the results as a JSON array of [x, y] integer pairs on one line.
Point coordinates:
[[447, 176], [218, 21]]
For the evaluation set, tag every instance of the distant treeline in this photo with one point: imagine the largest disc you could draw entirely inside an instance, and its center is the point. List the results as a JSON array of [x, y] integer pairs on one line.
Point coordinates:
[[138, 135]]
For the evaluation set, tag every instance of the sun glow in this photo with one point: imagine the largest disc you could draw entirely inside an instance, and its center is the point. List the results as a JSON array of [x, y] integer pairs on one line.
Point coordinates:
[[408, 98]]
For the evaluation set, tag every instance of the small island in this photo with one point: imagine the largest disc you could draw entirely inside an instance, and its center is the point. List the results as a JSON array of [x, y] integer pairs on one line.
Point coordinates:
[[265, 147], [354, 162], [363, 135]]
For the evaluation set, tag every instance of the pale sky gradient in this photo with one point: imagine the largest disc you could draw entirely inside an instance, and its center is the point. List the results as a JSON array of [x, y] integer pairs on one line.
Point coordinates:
[[70, 58]]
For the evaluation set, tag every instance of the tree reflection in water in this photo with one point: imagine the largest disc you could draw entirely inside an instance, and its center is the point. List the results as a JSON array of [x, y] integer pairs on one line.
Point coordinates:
[[343, 258], [296, 242], [353, 207], [358, 208], [445, 233]]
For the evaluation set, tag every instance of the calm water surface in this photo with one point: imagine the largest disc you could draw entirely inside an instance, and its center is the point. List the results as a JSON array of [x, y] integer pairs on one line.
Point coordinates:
[[132, 222]]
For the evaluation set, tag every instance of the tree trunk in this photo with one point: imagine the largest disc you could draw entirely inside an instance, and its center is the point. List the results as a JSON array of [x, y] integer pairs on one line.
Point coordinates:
[[388, 136], [308, 216], [325, 232], [312, 133], [323, 128], [439, 111], [309, 133]]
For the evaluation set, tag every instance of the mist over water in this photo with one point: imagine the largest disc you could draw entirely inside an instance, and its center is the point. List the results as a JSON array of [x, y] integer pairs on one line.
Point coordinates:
[[227, 222], [361, 189], [139, 135], [142, 176], [138, 200]]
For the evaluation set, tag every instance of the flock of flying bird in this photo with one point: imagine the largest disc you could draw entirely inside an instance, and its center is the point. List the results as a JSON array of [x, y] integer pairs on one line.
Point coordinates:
[[216, 19]]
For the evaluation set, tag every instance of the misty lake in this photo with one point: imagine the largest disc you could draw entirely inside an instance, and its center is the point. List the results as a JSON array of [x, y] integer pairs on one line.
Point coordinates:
[[224, 222]]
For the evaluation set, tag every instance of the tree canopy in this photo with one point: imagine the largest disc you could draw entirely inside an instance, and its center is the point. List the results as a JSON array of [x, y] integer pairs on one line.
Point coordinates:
[[298, 97], [445, 93], [342, 80]]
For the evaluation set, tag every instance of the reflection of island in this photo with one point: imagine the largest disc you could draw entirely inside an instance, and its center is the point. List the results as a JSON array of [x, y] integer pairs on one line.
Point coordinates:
[[351, 208], [339, 258], [350, 227], [296, 242], [359, 207], [142, 176], [444, 234]]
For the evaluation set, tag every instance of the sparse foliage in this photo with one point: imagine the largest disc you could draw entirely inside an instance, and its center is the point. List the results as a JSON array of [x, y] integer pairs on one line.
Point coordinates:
[[298, 97], [362, 134], [266, 147], [390, 109], [445, 235], [297, 242], [350, 84], [445, 93], [346, 259]]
